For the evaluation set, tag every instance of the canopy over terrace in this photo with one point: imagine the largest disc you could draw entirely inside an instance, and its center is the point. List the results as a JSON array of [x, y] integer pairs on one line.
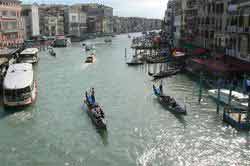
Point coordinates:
[[223, 65]]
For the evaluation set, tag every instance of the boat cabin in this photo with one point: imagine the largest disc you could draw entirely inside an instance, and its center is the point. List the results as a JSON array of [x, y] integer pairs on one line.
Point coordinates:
[[19, 87], [29, 55]]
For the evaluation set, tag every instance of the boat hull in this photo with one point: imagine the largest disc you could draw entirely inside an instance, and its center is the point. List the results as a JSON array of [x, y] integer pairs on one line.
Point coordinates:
[[224, 100], [177, 109], [100, 123], [31, 100]]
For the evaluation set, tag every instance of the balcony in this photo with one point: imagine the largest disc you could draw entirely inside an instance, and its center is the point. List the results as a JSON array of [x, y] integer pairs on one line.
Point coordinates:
[[233, 52], [9, 31], [232, 29], [236, 29]]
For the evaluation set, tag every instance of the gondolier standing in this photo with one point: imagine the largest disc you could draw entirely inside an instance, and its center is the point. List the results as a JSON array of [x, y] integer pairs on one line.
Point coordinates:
[[161, 88]]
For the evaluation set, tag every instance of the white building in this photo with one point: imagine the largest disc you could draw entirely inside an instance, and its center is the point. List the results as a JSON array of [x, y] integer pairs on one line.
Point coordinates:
[[30, 14], [75, 21]]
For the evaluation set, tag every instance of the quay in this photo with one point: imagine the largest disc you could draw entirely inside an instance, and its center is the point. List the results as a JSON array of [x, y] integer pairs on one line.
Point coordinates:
[[199, 63]]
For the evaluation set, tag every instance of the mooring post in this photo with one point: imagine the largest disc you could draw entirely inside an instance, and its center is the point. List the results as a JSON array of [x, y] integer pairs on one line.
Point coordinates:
[[200, 91], [125, 52], [230, 95], [248, 110], [218, 96]]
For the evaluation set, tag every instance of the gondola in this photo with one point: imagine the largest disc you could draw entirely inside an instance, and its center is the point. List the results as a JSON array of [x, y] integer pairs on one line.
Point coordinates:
[[95, 112], [134, 62], [168, 102], [51, 51], [167, 73]]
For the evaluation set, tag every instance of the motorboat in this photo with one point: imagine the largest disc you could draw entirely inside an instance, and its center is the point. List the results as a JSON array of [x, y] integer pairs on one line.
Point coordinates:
[[29, 55], [91, 58], [239, 100], [19, 86]]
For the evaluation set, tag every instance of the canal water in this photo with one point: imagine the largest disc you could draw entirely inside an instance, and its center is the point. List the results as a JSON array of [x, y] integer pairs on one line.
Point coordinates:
[[55, 131]]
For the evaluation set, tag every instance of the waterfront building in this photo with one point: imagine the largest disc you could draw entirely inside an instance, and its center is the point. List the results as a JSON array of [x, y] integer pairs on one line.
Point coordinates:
[[212, 22], [169, 20], [30, 15], [52, 19], [238, 30], [99, 17], [11, 24], [117, 26], [75, 21]]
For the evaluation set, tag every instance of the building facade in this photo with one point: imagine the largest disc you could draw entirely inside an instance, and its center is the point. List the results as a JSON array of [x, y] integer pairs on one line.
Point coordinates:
[[238, 30], [99, 18], [11, 24], [30, 15], [75, 21], [52, 19]]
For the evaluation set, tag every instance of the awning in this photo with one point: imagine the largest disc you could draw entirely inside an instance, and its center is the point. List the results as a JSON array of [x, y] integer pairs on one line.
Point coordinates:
[[178, 54], [189, 46], [199, 51]]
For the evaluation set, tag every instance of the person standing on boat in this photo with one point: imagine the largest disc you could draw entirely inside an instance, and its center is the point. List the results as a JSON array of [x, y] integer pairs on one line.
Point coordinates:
[[93, 95], [161, 88], [87, 98]]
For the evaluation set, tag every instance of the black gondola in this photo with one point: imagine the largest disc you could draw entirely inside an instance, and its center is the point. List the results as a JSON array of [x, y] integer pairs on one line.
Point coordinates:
[[168, 102], [167, 73], [95, 111]]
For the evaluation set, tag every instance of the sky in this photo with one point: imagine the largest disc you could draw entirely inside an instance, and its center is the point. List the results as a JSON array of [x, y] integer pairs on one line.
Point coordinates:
[[126, 8]]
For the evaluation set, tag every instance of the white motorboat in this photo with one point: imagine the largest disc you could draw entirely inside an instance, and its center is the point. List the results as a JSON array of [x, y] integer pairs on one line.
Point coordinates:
[[239, 100], [19, 86], [29, 55]]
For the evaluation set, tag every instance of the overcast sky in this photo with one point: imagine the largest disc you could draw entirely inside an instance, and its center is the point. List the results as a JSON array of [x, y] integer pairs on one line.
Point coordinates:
[[140, 8]]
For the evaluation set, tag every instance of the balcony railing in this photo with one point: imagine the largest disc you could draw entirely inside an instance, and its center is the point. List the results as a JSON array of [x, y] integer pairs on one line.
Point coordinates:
[[236, 29], [9, 31]]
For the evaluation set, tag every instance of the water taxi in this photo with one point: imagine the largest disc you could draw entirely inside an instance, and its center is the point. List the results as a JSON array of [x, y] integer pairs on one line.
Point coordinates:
[[19, 85], [91, 58], [239, 100], [29, 55]]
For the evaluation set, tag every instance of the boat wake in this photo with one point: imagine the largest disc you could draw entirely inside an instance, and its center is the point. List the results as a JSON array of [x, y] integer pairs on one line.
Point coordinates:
[[84, 66], [22, 116]]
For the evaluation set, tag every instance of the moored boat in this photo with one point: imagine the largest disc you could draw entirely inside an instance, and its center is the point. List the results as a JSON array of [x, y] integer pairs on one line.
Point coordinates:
[[19, 87], [29, 55], [134, 61], [107, 40], [168, 102], [95, 111], [239, 100], [166, 73]]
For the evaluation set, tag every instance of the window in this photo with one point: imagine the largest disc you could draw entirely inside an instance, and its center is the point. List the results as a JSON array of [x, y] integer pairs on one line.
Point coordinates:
[[241, 21], [4, 13], [249, 44], [12, 13], [73, 18]]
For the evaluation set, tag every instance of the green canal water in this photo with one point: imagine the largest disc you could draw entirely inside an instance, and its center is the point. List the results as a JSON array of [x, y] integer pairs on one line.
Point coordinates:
[[55, 131]]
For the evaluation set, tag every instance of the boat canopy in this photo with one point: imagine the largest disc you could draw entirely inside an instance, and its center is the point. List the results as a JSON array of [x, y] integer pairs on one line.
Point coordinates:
[[30, 51], [18, 76]]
